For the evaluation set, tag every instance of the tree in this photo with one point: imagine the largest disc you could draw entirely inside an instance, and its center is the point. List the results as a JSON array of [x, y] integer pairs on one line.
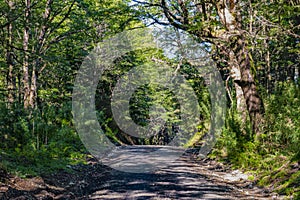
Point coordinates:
[[43, 44], [230, 28], [37, 32], [275, 49]]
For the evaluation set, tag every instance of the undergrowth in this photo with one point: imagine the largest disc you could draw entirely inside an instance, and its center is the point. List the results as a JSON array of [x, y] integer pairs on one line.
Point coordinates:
[[273, 158], [44, 140], [40, 141]]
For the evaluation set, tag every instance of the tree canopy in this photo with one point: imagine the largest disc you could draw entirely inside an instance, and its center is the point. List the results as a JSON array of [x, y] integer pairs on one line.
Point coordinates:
[[255, 46]]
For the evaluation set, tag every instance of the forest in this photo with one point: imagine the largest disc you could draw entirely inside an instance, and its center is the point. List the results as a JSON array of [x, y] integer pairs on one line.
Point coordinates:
[[237, 59]]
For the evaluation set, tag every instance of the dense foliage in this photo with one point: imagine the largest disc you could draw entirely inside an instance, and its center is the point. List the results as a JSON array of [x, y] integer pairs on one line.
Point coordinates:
[[255, 44]]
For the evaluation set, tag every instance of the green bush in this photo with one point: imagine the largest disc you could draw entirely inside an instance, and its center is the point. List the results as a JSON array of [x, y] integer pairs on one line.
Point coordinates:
[[271, 156], [39, 141]]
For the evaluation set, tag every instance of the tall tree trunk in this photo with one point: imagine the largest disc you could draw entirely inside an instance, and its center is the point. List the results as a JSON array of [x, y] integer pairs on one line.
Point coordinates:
[[33, 88], [247, 83], [240, 99], [296, 77], [231, 19], [11, 81], [33, 96], [268, 77], [26, 84]]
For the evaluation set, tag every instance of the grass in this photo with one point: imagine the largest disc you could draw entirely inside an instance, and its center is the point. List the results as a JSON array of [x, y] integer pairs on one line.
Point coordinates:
[[36, 163]]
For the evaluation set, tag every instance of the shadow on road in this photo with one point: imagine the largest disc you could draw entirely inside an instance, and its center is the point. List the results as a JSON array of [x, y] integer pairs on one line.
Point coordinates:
[[184, 178]]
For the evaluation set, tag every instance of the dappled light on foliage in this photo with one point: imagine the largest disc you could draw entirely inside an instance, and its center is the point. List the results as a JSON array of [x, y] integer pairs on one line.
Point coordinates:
[[234, 58]]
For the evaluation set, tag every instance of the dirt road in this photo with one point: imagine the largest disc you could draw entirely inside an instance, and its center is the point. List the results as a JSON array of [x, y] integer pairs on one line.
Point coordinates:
[[185, 178]]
